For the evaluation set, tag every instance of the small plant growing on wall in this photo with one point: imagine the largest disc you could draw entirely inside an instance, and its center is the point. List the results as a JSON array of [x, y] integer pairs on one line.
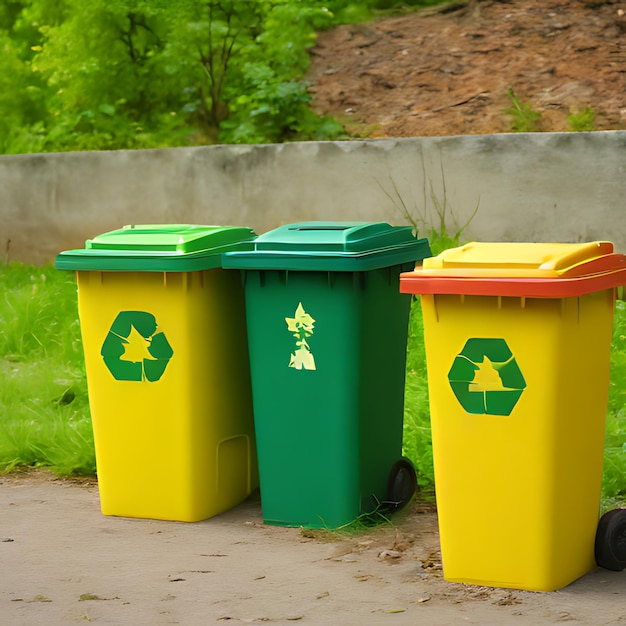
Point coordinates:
[[583, 120], [525, 118], [434, 216]]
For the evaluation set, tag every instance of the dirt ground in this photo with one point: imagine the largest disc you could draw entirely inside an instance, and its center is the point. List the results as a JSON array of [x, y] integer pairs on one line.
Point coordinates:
[[446, 71], [63, 562]]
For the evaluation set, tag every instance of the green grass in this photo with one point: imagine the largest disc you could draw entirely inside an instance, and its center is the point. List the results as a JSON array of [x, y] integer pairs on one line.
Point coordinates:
[[614, 478], [417, 439], [44, 410]]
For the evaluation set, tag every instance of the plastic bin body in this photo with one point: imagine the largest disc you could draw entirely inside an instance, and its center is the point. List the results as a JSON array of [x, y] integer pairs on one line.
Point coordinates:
[[175, 442], [518, 447], [329, 414]]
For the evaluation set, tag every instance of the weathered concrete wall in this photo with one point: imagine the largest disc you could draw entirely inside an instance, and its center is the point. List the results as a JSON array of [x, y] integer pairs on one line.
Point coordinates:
[[527, 187]]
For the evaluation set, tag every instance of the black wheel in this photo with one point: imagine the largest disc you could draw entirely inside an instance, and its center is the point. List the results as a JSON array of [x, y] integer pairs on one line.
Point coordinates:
[[401, 485], [610, 545]]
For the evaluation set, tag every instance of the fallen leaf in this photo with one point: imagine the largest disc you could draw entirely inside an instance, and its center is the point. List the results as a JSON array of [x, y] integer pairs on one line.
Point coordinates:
[[431, 563], [40, 598]]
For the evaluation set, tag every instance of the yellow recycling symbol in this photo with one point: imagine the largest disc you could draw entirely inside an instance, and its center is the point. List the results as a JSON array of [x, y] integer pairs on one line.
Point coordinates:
[[301, 326]]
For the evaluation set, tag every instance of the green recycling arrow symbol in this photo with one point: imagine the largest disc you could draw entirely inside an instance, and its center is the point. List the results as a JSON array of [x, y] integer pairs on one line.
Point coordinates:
[[485, 377], [134, 350]]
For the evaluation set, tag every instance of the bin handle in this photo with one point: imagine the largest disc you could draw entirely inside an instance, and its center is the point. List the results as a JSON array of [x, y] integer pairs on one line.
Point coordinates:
[[581, 254]]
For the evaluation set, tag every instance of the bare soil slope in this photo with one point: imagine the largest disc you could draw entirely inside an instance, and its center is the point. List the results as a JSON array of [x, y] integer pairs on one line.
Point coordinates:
[[446, 71]]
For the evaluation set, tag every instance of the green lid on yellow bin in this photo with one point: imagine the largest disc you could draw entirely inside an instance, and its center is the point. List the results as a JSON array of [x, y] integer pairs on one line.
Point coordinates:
[[157, 248]]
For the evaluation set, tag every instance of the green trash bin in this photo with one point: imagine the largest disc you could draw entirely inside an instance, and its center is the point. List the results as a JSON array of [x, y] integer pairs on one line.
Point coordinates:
[[327, 331]]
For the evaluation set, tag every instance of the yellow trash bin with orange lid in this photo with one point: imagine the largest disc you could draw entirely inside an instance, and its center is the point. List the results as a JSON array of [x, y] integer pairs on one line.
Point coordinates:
[[517, 339]]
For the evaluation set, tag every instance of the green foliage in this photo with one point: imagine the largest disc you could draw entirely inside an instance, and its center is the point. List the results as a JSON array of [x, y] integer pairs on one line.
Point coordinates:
[[583, 120], [525, 118], [21, 91], [268, 103], [107, 86], [269, 110], [112, 74]]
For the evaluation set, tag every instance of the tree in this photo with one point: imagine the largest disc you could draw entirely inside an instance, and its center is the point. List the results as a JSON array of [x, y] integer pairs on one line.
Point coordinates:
[[106, 85], [22, 92], [147, 73], [249, 57]]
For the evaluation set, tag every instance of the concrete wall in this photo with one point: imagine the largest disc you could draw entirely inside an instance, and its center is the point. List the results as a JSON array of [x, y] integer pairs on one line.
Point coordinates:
[[526, 187]]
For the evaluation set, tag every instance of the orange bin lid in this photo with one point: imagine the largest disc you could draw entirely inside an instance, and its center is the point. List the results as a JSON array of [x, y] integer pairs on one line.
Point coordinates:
[[532, 270]]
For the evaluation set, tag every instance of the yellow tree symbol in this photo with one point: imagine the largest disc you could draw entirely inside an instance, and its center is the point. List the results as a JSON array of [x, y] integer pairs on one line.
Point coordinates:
[[136, 347], [487, 377], [301, 326]]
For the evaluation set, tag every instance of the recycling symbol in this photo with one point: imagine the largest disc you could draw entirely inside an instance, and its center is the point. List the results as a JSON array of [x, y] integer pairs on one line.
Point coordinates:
[[485, 377], [134, 350]]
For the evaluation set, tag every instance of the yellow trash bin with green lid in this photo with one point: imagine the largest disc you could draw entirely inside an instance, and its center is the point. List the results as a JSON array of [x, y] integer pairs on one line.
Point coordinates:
[[517, 339], [164, 336]]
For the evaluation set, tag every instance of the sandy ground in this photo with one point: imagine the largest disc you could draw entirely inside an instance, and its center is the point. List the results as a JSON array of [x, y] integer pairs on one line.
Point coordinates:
[[63, 562]]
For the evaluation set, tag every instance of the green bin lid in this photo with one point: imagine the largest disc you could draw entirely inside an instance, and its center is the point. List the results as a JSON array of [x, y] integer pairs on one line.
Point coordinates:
[[331, 246], [157, 248]]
